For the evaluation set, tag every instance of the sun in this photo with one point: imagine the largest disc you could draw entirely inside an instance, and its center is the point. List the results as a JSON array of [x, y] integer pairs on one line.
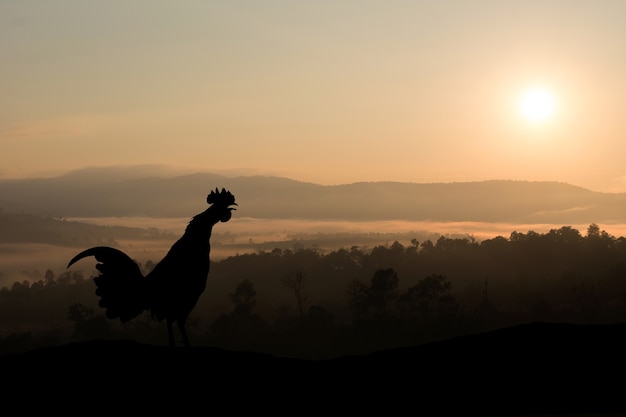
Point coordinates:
[[537, 105]]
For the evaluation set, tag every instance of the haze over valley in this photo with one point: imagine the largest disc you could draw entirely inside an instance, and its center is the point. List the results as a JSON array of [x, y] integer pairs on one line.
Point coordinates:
[[143, 210]]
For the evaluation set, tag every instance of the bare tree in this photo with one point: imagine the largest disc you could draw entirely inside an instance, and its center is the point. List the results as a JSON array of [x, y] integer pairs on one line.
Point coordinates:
[[296, 283]]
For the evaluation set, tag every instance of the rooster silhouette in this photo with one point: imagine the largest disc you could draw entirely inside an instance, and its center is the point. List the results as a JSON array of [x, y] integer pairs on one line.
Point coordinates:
[[171, 290]]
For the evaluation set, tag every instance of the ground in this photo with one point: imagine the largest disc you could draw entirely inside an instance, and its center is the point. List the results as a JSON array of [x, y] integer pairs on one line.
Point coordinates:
[[533, 369]]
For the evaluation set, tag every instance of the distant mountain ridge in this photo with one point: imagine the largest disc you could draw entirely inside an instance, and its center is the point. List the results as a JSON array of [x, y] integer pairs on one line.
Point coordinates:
[[110, 192]]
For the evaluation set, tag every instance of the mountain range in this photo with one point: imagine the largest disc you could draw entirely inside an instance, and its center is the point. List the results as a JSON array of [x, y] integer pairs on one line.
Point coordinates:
[[112, 191]]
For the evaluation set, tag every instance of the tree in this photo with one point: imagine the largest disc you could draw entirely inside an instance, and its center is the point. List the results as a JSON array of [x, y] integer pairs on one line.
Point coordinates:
[[376, 299], [427, 246], [49, 277], [396, 248], [70, 277], [383, 290], [593, 231], [239, 328], [431, 296], [296, 283], [357, 293], [244, 297]]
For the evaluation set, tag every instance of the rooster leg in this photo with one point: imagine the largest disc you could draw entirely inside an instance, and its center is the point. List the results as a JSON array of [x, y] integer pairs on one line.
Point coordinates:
[[183, 332], [170, 333]]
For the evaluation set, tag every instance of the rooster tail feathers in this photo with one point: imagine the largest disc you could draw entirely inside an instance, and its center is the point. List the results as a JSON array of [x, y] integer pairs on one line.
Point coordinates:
[[121, 286], [106, 254]]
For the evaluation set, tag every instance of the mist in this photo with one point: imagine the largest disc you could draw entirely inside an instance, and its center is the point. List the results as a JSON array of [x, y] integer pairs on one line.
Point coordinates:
[[29, 261]]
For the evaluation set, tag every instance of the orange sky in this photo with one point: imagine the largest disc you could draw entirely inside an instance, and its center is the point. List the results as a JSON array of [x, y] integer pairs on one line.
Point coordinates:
[[326, 91]]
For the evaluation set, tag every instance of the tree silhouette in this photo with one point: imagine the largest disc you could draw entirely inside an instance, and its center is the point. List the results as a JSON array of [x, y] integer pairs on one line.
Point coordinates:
[[49, 277], [296, 283], [383, 291], [242, 324], [377, 298], [593, 231], [432, 296]]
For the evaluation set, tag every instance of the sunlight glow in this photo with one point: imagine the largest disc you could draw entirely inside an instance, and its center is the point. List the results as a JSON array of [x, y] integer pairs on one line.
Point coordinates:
[[537, 105]]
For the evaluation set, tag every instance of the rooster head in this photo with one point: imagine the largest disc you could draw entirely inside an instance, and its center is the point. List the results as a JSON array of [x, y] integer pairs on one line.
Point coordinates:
[[221, 201]]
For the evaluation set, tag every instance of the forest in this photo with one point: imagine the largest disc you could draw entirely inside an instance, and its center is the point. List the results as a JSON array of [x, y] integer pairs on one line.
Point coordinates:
[[307, 303]]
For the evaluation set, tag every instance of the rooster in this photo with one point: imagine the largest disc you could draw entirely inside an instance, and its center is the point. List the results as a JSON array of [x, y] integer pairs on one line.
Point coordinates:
[[171, 290]]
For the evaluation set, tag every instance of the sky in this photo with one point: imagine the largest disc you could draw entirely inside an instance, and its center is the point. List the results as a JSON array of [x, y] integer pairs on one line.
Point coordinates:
[[330, 92]]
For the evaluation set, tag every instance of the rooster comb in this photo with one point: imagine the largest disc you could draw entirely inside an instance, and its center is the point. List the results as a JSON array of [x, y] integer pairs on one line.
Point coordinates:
[[223, 197]]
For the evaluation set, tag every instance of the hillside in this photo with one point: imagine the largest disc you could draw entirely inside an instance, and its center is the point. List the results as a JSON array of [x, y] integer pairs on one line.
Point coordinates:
[[107, 193], [533, 369], [30, 228]]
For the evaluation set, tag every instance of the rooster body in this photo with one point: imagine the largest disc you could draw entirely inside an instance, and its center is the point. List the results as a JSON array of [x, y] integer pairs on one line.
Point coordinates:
[[171, 290]]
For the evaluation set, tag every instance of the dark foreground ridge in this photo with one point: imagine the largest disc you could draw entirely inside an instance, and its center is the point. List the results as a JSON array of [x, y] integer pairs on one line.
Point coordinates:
[[533, 369]]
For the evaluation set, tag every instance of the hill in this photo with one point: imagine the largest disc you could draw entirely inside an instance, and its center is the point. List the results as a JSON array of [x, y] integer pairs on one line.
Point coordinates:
[[533, 369], [31, 228], [105, 192]]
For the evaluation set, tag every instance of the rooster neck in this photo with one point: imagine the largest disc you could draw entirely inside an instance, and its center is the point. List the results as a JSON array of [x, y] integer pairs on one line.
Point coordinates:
[[202, 222], [199, 230], [193, 247]]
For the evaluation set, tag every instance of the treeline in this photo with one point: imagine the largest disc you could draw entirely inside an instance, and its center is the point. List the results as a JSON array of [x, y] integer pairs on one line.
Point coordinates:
[[306, 303]]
